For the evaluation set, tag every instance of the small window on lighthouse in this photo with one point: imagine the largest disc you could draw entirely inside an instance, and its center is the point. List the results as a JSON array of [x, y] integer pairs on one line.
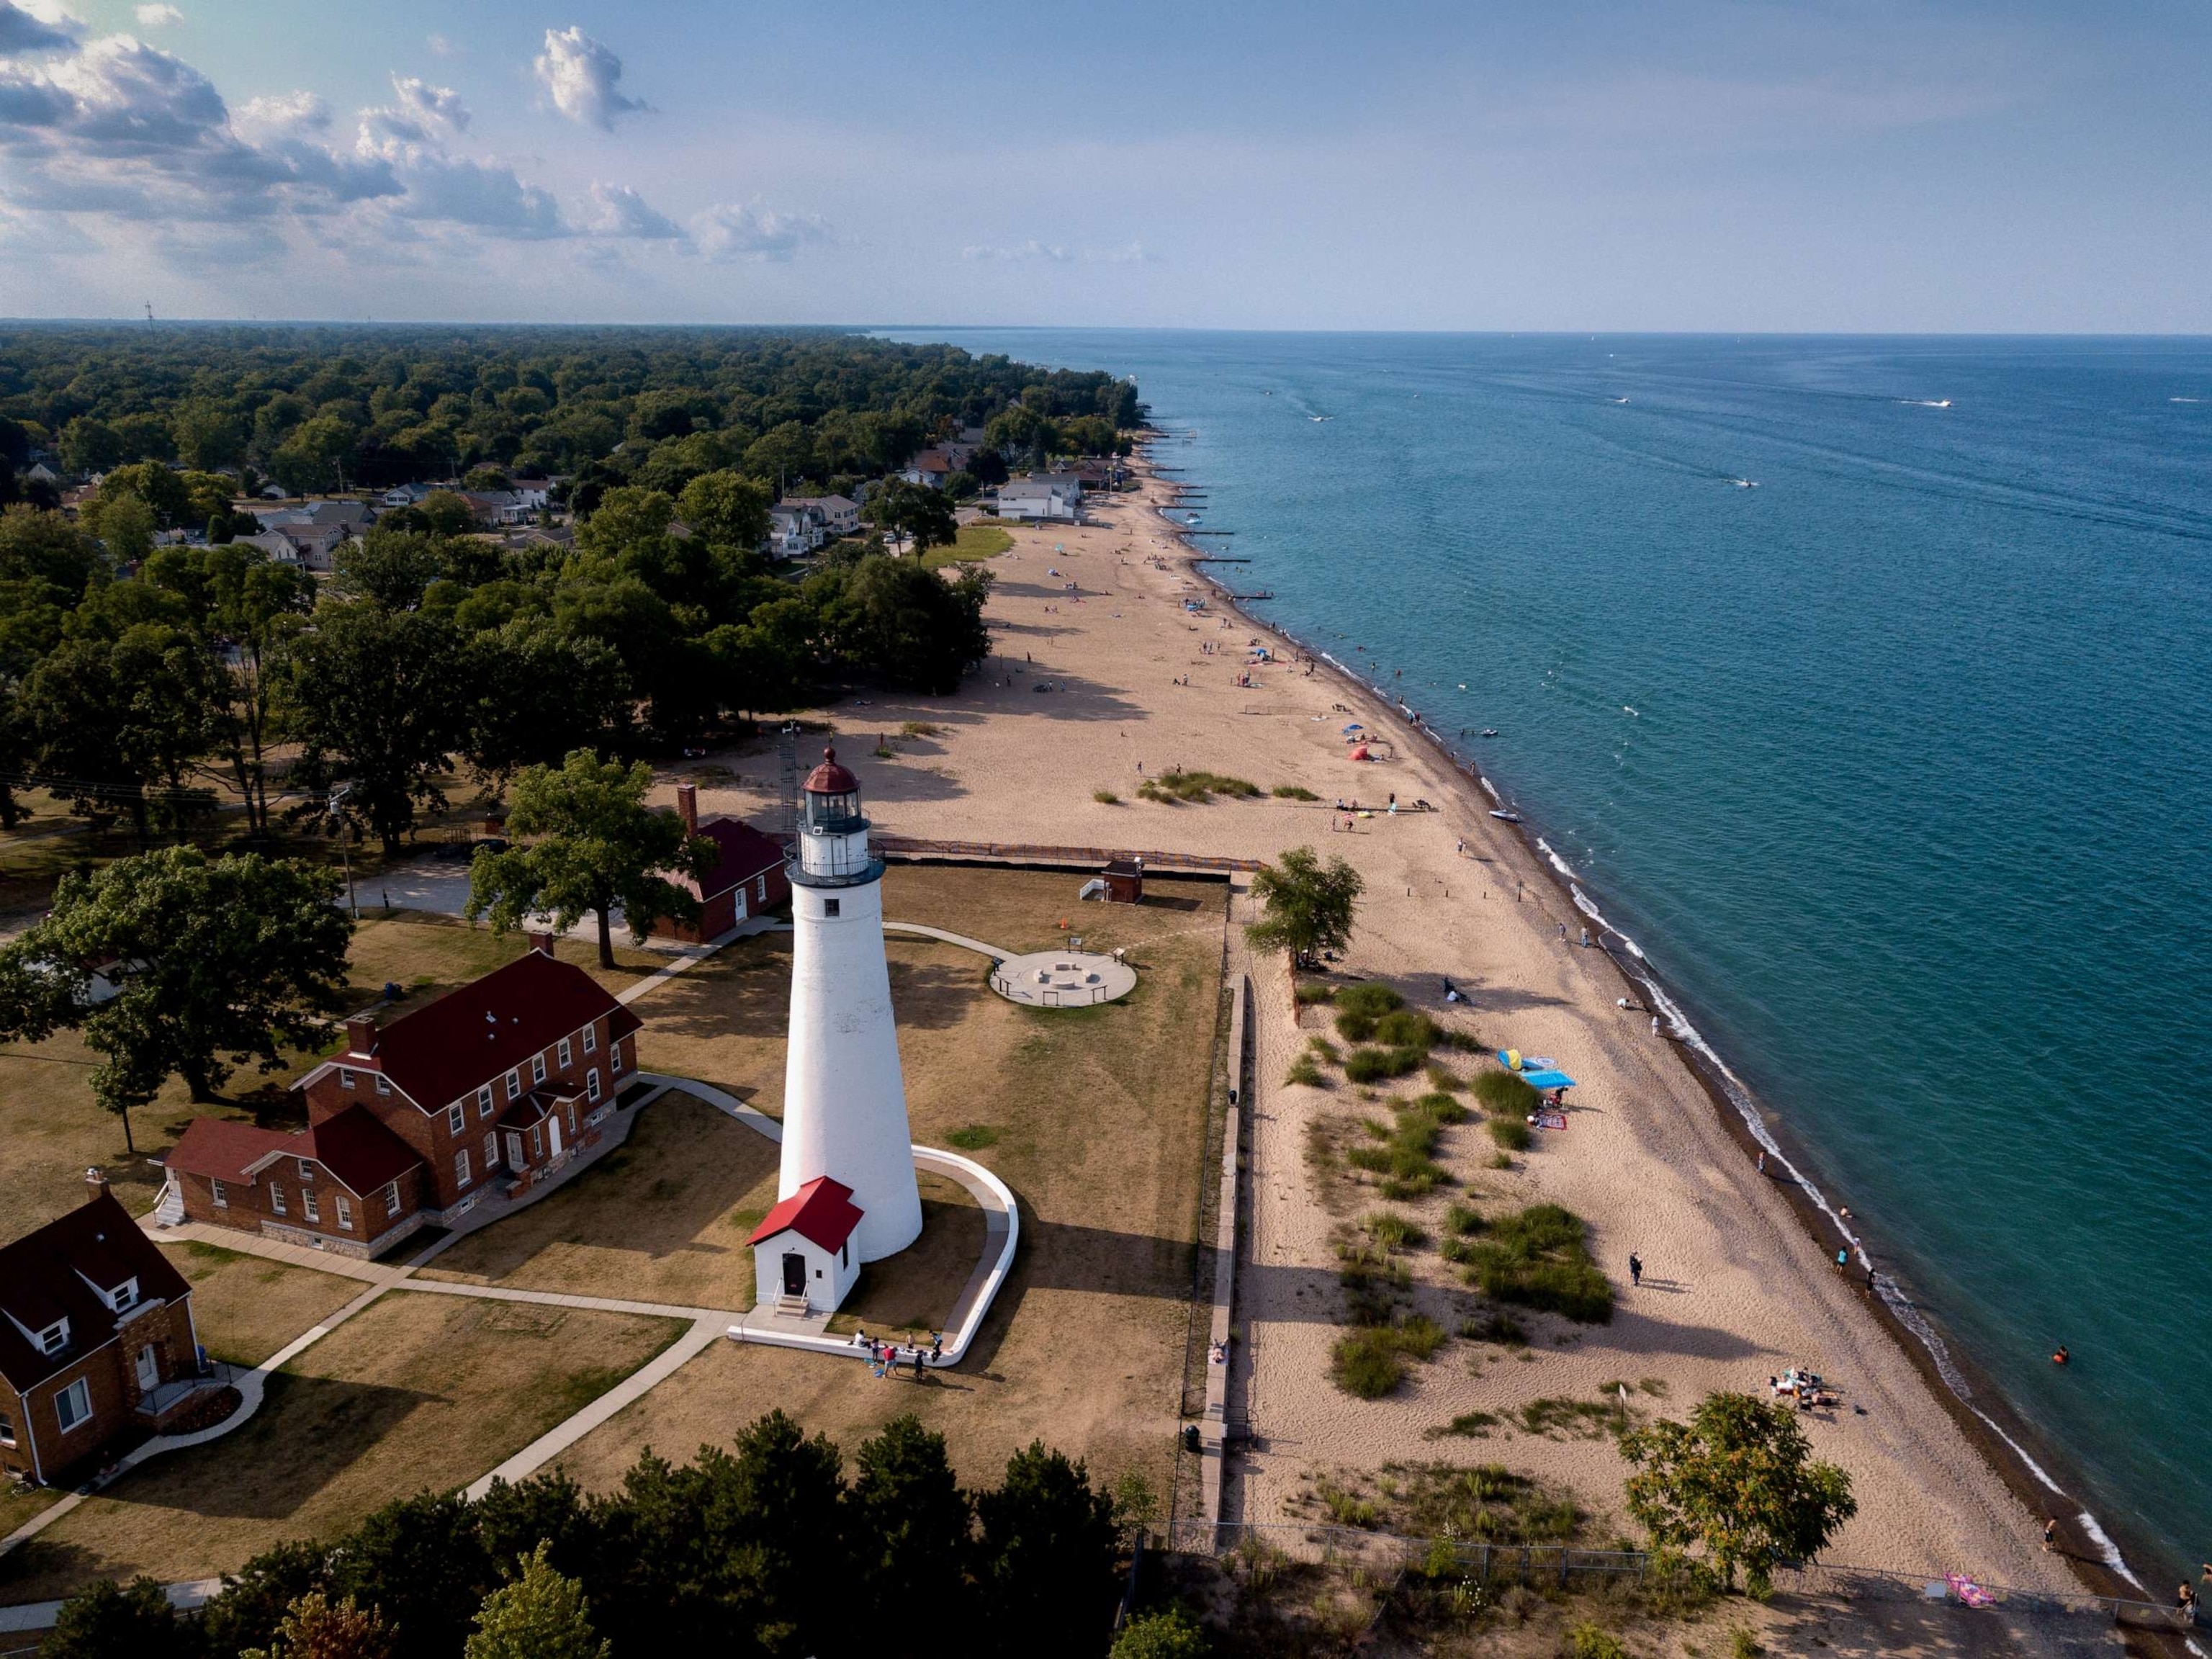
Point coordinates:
[[829, 906]]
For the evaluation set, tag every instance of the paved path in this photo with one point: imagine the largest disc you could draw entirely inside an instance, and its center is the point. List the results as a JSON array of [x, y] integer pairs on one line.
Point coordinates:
[[27, 1617], [960, 939]]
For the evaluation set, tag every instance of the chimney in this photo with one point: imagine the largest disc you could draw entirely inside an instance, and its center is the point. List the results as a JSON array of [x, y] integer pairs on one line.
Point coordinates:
[[687, 807], [541, 942], [360, 1033], [96, 1185]]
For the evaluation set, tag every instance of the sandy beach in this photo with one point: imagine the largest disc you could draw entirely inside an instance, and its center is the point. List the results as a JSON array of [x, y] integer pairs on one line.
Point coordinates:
[[1086, 697]]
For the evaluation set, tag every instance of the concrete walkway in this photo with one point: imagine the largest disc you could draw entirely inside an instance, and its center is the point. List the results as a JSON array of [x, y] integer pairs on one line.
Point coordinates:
[[960, 939], [26, 1618]]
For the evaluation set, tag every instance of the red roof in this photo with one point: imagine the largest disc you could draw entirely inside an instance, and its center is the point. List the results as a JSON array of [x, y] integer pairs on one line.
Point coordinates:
[[353, 1146], [448, 1048], [829, 778], [822, 1212], [39, 1285], [742, 852]]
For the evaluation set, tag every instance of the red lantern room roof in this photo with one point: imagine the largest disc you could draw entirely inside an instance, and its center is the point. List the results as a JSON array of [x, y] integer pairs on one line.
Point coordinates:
[[829, 778]]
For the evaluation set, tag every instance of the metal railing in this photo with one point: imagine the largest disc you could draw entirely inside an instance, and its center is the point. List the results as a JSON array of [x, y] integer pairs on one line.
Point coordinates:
[[1035, 852]]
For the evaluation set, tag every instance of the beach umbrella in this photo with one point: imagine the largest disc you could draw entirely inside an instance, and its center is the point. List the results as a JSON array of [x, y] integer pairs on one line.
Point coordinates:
[[1512, 1059], [1360, 753]]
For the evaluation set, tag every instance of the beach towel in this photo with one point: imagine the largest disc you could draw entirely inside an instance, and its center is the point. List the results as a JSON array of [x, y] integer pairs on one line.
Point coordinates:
[[1536, 1078], [1549, 1119], [1968, 1591]]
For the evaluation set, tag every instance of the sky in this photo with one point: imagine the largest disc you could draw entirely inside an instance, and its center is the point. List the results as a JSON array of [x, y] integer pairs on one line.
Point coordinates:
[[1866, 166]]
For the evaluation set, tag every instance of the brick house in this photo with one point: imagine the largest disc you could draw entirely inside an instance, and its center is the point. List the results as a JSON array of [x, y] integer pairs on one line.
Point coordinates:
[[97, 1339], [490, 1089], [747, 879]]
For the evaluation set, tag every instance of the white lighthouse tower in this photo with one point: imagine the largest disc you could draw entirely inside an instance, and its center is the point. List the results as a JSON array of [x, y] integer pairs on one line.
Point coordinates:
[[844, 1095]]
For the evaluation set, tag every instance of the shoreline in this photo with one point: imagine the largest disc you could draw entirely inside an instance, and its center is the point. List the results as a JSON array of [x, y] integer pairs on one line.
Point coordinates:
[[1960, 1386]]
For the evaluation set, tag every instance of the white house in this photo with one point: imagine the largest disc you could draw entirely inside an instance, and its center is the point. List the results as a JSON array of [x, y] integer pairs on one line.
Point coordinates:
[[1042, 496], [803, 1255], [794, 528], [840, 516]]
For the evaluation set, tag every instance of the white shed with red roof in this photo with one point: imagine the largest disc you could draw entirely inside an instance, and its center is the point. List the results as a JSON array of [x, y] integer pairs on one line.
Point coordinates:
[[803, 1257]]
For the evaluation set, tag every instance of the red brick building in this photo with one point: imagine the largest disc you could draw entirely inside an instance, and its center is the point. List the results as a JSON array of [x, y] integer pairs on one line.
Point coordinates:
[[747, 880], [97, 1338], [490, 1089]]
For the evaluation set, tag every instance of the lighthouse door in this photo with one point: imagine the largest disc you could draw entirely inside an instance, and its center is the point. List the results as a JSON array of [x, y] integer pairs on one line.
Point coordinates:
[[795, 1273]]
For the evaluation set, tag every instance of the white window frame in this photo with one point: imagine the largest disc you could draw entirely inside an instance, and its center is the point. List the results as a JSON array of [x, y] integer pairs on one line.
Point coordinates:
[[760, 889], [491, 1149], [345, 1077], [391, 1196], [311, 1207], [382, 1083], [461, 1176], [483, 1101], [80, 1391], [591, 1038], [306, 1171], [346, 1212], [126, 1296], [614, 1055], [515, 1084], [568, 1055], [221, 1195], [537, 1139], [7, 1430], [276, 1198], [54, 1338], [457, 1120], [592, 1084], [536, 1068]]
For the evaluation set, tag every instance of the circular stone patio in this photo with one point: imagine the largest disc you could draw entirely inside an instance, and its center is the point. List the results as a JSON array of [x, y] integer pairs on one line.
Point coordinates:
[[1063, 979]]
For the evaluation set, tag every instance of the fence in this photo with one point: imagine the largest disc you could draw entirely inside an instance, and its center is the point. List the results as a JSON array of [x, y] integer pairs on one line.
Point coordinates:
[[1385, 1555], [1038, 853], [1049, 996]]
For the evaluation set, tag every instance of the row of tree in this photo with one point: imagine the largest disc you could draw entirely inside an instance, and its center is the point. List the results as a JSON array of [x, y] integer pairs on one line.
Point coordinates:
[[765, 1548], [326, 408]]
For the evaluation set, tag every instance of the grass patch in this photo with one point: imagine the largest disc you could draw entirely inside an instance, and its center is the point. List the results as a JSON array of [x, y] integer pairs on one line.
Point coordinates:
[[1105, 798], [1326, 1049], [1312, 991], [1443, 1107], [1444, 1079], [1558, 1417], [1406, 1028], [245, 1308], [1393, 1231], [1497, 1326], [1292, 792], [1511, 1134], [1466, 1042], [1376, 1065], [1303, 1070], [1359, 1006], [1371, 1362], [1503, 1094], [975, 542], [1540, 1258], [921, 729], [1195, 789], [974, 1137], [1459, 1221], [1483, 1504], [1345, 1509], [1472, 1425]]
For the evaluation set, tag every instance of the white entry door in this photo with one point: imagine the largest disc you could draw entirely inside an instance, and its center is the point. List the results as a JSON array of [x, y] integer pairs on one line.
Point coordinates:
[[149, 1370], [554, 1122]]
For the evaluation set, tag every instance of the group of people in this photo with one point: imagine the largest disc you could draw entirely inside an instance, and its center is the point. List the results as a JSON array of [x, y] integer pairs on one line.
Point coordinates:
[[885, 1358], [1804, 1387]]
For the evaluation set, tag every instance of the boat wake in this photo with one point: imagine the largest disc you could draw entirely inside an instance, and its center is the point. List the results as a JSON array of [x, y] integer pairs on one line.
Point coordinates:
[[1925, 402]]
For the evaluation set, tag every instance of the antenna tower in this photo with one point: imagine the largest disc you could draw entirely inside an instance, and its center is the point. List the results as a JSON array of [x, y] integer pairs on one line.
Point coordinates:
[[786, 755]]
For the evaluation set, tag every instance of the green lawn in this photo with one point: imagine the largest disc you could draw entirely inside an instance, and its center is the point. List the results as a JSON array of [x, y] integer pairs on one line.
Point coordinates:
[[977, 542]]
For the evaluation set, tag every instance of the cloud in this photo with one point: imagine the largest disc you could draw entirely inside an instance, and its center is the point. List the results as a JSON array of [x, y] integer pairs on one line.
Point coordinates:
[[1020, 252], [484, 196], [579, 74], [286, 113], [1132, 253], [158, 17], [730, 232], [440, 46], [24, 32], [621, 211]]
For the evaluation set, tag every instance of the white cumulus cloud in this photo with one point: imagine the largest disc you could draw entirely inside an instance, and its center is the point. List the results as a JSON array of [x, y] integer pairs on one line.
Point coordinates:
[[158, 17], [442, 47], [732, 232], [618, 210], [580, 76], [36, 28], [1019, 252]]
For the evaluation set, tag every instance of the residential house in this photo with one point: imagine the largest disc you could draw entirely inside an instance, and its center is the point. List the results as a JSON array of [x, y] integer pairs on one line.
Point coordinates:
[[1053, 497], [932, 467], [748, 877], [497, 507], [840, 516], [406, 495], [490, 1089], [41, 473], [794, 530], [97, 1339]]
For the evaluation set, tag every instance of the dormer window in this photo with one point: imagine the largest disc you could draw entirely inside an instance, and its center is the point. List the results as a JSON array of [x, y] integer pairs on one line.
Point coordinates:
[[124, 1295], [54, 1338]]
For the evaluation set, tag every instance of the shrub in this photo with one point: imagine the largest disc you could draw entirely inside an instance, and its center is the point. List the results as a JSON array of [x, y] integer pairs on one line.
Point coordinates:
[[1474, 1425], [1540, 1258], [1466, 1042], [1455, 1250], [1742, 1645], [921, 729], [1461, 1220], [1292, 792], [1393, 1231], [1325, 1048], [1406, 1028], [1587, 1641], [1345, 1509], [1505, 1094], [1486, 1504], [1197, 787], [1165, 1633], [1443, 1078], [1501, 1160], [1303, 1070], [1374, 1065], [1371, 1362], [1105, 798], [1311, 991], [1511, 1134], [974, 1137], [1443, 1107], [1369, 999], [1404, 1189]]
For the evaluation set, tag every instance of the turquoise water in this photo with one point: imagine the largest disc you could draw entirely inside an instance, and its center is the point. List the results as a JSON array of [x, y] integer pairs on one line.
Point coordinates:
[[1910, 815]]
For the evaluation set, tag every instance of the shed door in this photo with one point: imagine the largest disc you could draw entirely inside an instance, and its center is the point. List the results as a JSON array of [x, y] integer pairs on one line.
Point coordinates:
[[795, 1273]]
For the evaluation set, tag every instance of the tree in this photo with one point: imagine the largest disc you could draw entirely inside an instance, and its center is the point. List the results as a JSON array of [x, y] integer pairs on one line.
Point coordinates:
[[540, 1615], [1306, 908], [107, 717], [1163, 1633], [313, 1628], [909, 1524], [895, 618], [1739, 1478], [126, 528], [314, 456], [217, 964], [596, 846], [256, 1600], [108, 1620], [1048, 1557], [381, 697], [725, 509], [445, 513], [419, 1562], [89, 445], [922, 515], [538, 694], [208, 437], [392, 566], [624, 518]]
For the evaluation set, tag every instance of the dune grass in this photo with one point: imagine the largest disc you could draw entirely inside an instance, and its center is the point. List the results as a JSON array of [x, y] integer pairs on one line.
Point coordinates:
[[1540, 1258], [1371, 1362], [1358, 1007], [1194, 788]]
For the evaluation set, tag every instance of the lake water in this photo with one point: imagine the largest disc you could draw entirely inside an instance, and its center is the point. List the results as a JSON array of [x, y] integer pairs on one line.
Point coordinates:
[[1895, 765]]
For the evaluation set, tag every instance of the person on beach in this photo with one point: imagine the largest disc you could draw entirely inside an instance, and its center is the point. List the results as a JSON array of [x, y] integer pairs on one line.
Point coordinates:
[[917, 1362], [2185, 1603], [1654, 1025], [1842, 1260], [1762, 1162], [1635, 1268], [2050, 1532]]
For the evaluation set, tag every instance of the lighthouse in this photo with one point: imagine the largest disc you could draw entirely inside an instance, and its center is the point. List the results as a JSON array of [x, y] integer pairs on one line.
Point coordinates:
[[844, 1095]]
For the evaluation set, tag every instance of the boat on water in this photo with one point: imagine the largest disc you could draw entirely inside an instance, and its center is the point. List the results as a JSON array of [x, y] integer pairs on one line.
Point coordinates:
[[1489, 730], [1506, 813]]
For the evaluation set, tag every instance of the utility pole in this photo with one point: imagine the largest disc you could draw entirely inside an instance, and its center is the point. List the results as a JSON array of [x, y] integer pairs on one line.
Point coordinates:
[[345, 850]]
